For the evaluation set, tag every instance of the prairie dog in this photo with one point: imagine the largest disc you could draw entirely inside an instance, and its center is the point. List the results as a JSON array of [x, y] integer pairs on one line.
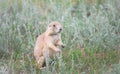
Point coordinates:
[[48, 43]]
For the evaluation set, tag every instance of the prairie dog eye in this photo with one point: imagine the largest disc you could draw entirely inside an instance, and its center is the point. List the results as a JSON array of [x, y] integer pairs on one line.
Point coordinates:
[[54, 25]]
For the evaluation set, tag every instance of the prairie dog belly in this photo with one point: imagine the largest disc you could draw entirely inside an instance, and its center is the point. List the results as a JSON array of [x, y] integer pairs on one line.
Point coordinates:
[[48, 52], [55, 39]]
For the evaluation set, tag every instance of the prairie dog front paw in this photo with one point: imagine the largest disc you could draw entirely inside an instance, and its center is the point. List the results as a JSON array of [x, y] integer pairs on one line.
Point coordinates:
[[63, 46]]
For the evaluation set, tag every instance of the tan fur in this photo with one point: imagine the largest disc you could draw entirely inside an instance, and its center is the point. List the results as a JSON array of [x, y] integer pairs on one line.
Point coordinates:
[[48, 43]]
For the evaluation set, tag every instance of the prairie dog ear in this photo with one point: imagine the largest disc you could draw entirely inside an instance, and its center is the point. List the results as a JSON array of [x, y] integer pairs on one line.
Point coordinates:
[[49, 25]]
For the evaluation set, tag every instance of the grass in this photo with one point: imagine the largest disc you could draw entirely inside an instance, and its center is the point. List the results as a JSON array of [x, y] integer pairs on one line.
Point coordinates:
[[91, 34], [73, 62]]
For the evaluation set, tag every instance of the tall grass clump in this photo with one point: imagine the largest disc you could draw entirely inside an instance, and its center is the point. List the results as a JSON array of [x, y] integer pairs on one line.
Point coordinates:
[[92, 25]]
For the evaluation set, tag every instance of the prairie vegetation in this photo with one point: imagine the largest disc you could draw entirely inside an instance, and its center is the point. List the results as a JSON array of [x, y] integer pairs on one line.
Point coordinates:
[[91, 34]]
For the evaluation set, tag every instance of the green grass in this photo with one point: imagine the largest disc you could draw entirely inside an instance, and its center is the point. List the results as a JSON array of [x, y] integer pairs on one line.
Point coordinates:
[[90, 25], [73, 62]]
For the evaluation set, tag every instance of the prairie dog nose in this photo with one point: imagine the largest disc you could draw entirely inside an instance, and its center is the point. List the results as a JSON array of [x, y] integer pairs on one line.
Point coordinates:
[[60, 29]]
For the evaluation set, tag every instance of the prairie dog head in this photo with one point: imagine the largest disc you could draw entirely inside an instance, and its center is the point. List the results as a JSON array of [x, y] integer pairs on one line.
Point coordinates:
[[54, 28]]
